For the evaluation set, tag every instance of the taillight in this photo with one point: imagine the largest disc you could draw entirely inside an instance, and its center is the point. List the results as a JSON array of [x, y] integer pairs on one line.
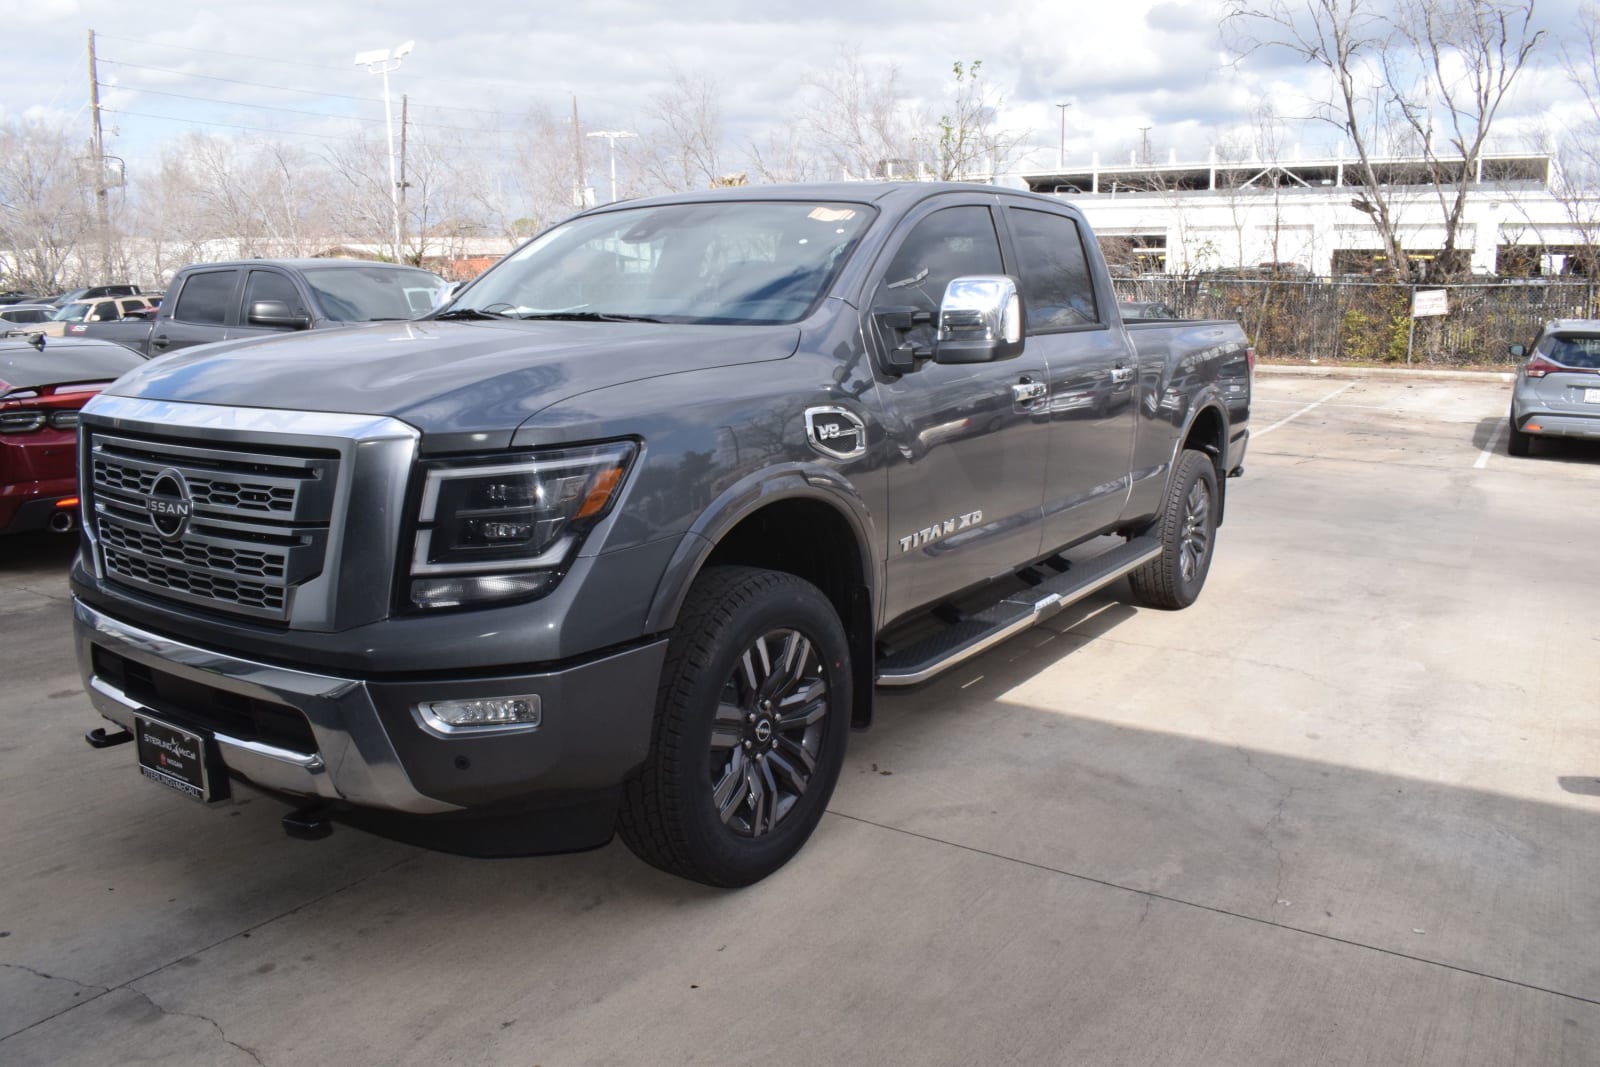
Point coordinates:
[[21, 420], [1538, 367], [1250, 357]]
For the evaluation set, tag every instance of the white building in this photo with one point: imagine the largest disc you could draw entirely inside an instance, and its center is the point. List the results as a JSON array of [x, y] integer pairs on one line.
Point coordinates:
[[1183, 218]]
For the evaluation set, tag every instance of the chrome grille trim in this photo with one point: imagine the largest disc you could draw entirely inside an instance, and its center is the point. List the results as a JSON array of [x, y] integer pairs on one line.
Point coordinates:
[[273, 532], [258, 525]]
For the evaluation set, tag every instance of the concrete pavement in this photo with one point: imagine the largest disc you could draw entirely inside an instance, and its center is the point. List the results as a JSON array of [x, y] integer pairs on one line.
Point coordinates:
[[1343, 810]]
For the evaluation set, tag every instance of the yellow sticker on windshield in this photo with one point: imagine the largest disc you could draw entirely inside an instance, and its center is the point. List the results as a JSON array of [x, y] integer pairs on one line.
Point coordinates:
[[831, 214]]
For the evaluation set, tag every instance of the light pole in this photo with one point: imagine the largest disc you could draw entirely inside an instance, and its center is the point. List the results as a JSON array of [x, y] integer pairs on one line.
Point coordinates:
[[1061, 158], [382, 61], [612, 136]]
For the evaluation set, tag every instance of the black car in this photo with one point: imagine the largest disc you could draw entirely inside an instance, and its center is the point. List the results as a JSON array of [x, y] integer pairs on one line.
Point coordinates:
[[91, 292]]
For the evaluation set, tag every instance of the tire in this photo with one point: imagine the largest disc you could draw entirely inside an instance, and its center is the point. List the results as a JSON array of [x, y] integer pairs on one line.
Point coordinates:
[[1187, 527], [729, 792], [1517, 442]]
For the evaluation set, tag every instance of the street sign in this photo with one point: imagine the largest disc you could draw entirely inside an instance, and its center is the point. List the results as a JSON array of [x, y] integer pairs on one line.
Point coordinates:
[[1425, 302]]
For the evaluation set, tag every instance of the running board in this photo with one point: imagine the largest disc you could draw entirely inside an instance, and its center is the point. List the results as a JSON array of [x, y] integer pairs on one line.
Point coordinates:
[[984, 629]]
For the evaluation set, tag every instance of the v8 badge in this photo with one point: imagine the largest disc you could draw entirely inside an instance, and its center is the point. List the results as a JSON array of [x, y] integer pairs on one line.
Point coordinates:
[[836, 433]]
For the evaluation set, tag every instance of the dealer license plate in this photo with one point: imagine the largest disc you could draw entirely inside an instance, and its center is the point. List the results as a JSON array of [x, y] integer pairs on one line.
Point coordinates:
[[1591, 396], [178, 759]]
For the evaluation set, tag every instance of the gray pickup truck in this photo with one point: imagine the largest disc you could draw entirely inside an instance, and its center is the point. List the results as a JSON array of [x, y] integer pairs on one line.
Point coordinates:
[[260, 297], [625, 537]]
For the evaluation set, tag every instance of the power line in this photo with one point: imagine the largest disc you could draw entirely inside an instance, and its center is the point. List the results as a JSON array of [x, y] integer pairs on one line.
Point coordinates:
[[237, 103], [310, 66], [290, 110]]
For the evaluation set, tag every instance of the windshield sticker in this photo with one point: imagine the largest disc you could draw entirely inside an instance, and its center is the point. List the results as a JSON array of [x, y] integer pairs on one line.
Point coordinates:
[[831, 214]]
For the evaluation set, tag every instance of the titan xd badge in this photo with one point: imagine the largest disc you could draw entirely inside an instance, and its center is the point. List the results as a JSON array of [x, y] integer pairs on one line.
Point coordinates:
[[940, 530]]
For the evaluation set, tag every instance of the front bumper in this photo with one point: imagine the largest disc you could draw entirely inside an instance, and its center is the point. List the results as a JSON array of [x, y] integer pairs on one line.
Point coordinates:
[[358, 742]]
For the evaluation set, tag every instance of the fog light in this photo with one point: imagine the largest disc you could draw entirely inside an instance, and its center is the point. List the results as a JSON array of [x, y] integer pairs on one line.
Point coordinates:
[[454, 716], [455, 592]]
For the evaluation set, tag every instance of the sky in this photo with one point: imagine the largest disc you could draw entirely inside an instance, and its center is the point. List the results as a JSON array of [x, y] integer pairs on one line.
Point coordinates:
[[169, 67]]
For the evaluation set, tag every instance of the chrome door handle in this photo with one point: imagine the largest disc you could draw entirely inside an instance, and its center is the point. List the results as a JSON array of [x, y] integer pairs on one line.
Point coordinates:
[[1028, 390], [1119, 375]]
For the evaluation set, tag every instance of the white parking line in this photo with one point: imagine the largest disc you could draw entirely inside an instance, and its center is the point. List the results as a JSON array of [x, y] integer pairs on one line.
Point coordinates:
[[1314, 404], [1489, 449]]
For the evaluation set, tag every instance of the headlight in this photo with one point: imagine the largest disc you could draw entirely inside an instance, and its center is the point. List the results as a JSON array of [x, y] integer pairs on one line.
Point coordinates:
[[499, 530]]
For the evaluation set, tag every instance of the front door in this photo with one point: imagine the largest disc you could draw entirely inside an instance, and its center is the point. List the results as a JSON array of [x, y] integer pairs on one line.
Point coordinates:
[[968, 470], [201, 312]]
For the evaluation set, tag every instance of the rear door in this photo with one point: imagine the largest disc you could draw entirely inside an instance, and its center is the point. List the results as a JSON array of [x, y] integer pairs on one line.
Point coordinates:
[[200, 310], [1092, 374], [966, 487]]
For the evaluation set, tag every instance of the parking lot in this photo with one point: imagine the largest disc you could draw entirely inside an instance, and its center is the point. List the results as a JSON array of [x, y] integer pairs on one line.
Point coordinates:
[[1346, 809]]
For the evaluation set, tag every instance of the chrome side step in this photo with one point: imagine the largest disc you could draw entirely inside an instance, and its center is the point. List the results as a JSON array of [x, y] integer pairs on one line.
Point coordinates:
[[982, 630]]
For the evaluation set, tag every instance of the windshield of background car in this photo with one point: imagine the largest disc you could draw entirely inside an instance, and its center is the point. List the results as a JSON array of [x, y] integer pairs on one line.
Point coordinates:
[[76, 311], [374, 294], [1572, 351], [735, 262]]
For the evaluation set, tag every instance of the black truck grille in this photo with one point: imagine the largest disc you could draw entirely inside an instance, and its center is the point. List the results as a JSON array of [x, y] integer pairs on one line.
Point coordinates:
[[257, 525]]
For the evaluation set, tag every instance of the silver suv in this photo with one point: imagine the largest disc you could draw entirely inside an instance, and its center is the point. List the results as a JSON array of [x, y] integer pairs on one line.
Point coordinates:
[[1557, 393]]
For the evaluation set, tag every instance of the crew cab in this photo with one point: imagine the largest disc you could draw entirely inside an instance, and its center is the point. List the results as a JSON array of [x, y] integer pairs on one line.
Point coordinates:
[[260, 297], [626, 537]]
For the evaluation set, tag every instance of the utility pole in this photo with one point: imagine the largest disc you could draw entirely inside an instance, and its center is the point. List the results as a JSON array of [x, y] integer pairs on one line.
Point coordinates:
[[97, 148], [400, 215], [1061, 157], [577, 156], [1144, 132]]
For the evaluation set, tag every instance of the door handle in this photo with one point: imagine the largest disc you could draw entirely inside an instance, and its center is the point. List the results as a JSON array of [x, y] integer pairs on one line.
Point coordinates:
[[1121, 375], [1028, 390], [160, 342]]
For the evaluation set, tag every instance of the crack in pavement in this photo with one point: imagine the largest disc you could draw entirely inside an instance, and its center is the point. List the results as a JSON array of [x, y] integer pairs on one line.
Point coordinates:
[[1277, 816], [129, 983], [1216, 910], [148, 999], [96, 989]]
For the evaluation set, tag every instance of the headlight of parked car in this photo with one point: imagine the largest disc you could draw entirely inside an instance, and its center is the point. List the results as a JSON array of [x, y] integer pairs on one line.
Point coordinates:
[[503, 529]]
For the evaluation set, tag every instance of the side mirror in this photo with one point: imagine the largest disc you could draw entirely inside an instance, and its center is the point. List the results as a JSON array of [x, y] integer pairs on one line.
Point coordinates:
[[276, 313], [1518, 351], [980, 320]]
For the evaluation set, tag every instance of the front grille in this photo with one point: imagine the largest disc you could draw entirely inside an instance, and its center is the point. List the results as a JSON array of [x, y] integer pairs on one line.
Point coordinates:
[[257, 528]]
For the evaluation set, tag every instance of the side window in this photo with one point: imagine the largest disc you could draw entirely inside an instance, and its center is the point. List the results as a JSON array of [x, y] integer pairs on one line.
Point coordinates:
[[270, 285], [948, 244], [105, 312], [1056, 287], [205, 297]]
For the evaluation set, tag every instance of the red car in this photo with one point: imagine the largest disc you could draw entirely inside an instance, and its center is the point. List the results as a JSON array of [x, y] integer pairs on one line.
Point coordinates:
[[43, 383]]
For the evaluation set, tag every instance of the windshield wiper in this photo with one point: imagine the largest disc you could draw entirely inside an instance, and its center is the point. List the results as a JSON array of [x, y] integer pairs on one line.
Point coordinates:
[[471, 313], [586, 316]]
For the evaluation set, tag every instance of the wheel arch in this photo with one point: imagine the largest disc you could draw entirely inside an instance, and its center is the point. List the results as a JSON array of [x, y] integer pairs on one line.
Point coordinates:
[[1207, 431], [803, 520]]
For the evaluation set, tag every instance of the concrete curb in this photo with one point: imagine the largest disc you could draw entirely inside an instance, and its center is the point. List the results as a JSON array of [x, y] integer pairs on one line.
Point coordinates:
[[1335, 371]]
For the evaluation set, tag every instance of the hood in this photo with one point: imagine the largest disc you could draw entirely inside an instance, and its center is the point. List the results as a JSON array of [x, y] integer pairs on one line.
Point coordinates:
[[24, 367], [446, 377]]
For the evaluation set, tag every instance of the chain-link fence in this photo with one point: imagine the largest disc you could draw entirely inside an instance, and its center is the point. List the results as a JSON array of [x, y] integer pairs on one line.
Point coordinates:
[[1370, 322]]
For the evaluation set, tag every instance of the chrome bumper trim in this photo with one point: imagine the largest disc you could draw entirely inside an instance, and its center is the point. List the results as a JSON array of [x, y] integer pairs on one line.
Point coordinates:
[[354, 761]]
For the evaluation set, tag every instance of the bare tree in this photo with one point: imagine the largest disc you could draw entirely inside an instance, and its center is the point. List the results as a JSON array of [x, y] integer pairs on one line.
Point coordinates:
[[1471, 53], [46, 206], [1348, 39], [680, 147], [1576, 178], [859, 119], [970, 139]]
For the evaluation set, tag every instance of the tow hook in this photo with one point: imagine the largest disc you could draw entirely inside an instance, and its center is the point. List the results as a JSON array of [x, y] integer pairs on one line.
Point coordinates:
[[308, 823], [98, 738]]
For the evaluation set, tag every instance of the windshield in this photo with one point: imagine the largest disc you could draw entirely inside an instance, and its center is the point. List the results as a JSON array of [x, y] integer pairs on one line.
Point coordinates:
[[1572, 351], [372, 294], [74, 312], [742, 262]]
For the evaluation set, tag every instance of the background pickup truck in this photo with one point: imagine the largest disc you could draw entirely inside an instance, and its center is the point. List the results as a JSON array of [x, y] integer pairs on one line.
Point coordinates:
[[220, 301], [625, 537]]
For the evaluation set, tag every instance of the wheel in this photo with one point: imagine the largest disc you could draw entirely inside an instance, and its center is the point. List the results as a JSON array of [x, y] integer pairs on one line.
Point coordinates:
[[1517, 442], [1187, 527], [749, 735]]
